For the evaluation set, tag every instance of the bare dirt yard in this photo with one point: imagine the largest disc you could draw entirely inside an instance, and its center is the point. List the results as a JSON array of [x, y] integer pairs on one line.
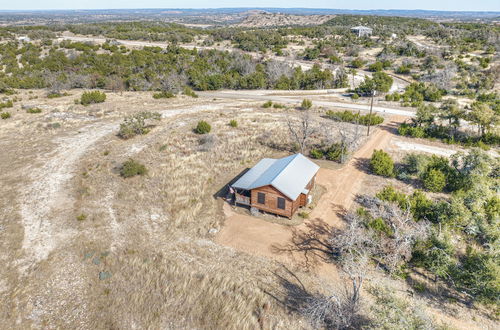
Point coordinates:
[[82, 247]]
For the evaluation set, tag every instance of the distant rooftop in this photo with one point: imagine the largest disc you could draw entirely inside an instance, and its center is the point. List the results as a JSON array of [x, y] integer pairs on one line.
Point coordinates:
[[361, 28], [290, 175]]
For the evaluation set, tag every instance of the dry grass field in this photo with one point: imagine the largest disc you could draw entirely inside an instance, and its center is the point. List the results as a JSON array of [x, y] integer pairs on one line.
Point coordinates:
[[82, 247]]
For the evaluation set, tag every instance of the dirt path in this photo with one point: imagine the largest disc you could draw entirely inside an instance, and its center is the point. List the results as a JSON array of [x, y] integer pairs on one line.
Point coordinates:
[[303, 245], [46, 203]]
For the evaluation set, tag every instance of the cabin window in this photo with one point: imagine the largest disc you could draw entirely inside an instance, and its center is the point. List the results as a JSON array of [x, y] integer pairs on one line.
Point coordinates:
[[261, 198], [281, 203]]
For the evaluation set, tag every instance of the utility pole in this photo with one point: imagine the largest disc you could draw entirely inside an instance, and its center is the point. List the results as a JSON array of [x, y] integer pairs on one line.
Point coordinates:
[[370, 117]]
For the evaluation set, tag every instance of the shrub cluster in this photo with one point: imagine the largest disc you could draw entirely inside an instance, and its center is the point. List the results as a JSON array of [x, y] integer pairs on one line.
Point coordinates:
[[6, 104], [382, 164], [5, 115], [33, 110], [137, 124], [354, 117], [233, 123], [132, 168], [202, 127], [163, 95], [306, 104], [335, 152], [92, 97], [189, 92]]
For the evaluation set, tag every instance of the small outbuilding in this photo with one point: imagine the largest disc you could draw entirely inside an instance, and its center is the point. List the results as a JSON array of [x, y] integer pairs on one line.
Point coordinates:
[[362, 31], [278, 186]]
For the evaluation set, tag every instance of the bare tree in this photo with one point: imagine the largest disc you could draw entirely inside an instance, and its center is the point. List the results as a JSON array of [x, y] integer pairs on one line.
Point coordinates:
[[348, 135], [115, 83], [340, 309], [276, 69], [394, 248], [302, 130], [173, 82], [55, 82]]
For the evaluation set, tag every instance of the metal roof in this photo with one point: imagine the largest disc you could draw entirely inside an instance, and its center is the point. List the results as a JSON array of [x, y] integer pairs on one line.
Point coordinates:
[[361, 28], [290, 175]]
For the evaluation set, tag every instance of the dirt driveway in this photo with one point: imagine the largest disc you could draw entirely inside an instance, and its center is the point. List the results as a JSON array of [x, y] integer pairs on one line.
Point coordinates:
[[304, 245]]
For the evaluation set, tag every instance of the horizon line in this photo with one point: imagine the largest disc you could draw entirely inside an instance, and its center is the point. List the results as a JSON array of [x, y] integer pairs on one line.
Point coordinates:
[[248, 8]]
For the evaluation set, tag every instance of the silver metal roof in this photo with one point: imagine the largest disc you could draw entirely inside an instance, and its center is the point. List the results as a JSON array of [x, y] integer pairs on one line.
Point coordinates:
[[290, 175], [361, 28]]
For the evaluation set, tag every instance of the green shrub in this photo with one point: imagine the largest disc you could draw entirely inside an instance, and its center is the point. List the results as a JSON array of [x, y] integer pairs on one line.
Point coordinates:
[[355, 96], [268, 104], [189, 92], [354, 117], [163, 95], [6, 104], [306, 104], [379, 225], [203, 127], [316, 154], [132, 168], [33, 110], [81, 217], [434, 180], [5, 115], [233, 123], [137, 124], [304, 215], [382, 164], [278, 106], [357, 63], [92, 97]]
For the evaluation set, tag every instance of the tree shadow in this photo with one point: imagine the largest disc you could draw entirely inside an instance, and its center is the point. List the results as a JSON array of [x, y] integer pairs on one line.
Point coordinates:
[[391, 127], [290, 291], [436, 291], [311, 243], [362, 164]]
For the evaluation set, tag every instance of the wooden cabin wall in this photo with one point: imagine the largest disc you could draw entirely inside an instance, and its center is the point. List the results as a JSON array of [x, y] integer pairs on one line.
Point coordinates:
[[271, 202]]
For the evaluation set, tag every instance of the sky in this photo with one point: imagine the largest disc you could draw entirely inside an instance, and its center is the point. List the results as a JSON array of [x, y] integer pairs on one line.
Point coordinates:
[[453, 5]]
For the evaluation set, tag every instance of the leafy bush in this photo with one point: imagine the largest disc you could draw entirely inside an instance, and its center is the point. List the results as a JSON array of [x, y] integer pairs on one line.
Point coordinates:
[[306, 104], [233, 123], [382, 164], [132, 168], [92, 97], [268, 104], [316, 154], [379, 225], [33, 110], [355, 96], [7, 104], [189, 92], [137, 124], [203, 127], [357, 63], [163, 95], [5, 115], [81, 217], [380, 82], [434, 180], [354, 117], [410, 130], [334, 152], [279, 106]]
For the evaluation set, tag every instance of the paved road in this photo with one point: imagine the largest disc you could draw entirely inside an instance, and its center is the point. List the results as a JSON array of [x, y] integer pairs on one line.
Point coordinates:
[[269, 95]]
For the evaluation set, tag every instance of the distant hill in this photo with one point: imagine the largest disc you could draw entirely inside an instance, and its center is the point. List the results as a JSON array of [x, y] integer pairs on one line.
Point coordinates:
[[223, 16]]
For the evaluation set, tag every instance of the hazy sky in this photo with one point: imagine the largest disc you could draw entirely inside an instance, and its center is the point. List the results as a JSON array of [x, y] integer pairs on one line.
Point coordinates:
[[480, 5]]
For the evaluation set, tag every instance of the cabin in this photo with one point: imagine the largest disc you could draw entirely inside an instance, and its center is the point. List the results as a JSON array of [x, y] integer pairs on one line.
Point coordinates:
[[278, 186], [362, 31]]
